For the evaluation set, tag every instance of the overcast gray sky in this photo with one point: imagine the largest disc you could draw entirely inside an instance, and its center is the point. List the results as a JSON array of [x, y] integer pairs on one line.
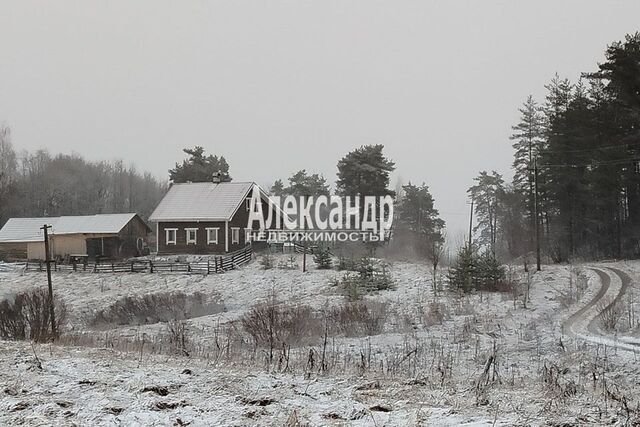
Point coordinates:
[[277, 86]]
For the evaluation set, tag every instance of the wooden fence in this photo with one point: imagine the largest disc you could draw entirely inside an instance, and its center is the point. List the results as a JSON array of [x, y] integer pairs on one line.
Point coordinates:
[[216, 264]]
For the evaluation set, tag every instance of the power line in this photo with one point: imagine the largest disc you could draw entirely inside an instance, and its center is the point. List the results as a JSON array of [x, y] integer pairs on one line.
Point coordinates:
[[584, 150], [601, 163]]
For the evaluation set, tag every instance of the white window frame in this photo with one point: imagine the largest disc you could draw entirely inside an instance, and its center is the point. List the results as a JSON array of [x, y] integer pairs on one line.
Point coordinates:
[[235, 235], [211, 241], [248, 203], [190, 241], [173, 241]]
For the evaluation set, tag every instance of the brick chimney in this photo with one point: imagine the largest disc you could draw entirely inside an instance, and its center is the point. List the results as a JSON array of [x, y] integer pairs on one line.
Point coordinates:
[[217, 177]]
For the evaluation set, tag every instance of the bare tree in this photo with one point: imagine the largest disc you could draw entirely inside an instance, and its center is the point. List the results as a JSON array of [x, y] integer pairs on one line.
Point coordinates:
[[8, 170], [436, 253]]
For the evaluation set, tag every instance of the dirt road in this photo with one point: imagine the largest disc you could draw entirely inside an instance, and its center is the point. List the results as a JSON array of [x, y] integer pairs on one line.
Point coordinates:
[[586, 322]]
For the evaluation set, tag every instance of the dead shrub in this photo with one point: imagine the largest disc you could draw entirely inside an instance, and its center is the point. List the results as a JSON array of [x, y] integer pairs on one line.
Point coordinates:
[[358, 318], [435, 313], [462, 306], [610, 313], [272, 325], [13, 324], [267, 261], [154, 308], [555, 379], [178, 335], [28, 316]]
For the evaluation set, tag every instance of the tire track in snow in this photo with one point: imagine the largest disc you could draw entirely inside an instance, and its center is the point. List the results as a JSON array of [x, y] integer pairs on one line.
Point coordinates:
[[591, 314], [605, 282], [625, 283]]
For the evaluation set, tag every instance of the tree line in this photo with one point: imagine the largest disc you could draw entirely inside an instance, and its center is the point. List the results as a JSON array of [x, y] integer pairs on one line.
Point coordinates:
[[37, 184], [363, 171], [576, 169]]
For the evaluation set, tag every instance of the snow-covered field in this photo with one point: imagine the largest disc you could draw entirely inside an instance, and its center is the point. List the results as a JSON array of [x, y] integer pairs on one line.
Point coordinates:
[[490, 362]]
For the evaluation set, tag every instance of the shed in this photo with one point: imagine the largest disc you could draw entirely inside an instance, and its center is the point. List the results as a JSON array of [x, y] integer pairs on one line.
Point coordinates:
[[106, 235]]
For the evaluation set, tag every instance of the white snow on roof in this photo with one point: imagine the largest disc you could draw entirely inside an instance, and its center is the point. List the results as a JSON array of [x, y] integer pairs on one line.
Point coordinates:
[[28, 229], [203, 201]]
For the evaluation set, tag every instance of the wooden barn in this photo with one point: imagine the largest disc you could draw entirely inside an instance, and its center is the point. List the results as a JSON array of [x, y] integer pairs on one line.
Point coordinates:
[[91, 236], [205, 217]]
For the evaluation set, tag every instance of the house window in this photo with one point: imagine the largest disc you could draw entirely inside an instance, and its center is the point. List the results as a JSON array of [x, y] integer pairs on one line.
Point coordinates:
[[235, 235], [212, 236], [192, 236], [247, 235], [248, 204], [171, 235]]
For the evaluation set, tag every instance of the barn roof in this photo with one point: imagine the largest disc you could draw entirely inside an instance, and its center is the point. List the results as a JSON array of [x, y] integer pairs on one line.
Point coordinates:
[[202, 201], [28, 229]]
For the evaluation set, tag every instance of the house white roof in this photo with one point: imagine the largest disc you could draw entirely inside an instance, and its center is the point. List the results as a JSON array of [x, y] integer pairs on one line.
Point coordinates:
[[201, 201], [28, 229]]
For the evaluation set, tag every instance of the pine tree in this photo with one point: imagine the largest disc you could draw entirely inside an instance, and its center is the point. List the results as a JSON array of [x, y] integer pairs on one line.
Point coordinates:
[[199, 168], [417, 212], [491, 273], [463, 273], [365, 171], [528, 140], [277, 189], [486, 195], [302, 184]]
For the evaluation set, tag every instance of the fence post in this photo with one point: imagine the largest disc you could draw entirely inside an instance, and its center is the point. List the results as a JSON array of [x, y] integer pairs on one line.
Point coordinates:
[[132, 266], [151, 266], [208, 266]]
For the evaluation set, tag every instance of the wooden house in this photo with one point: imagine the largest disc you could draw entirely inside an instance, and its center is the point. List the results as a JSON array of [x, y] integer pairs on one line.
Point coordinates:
[[205, 217], [92, 236]]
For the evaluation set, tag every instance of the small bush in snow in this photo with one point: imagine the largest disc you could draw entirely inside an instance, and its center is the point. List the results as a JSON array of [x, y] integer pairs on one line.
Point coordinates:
[[359, 318], [347, 264], [291, 263], [435, 313], [266, 261], [178, 335], [472, 271], [374, 275], [610, 313], [271, 324], [28, 316], [323, 259], [350, 287]]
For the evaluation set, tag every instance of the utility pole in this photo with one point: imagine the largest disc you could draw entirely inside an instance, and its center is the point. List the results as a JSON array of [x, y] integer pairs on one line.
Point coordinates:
[[52, 314], [535, 210], [304, 246], [471, 224], [304, 256]]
